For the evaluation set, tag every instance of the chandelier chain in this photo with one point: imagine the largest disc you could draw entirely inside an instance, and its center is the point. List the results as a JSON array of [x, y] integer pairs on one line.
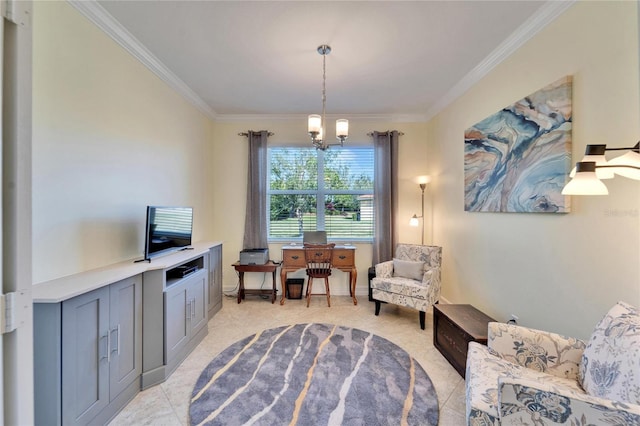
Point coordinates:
[[324, 92]]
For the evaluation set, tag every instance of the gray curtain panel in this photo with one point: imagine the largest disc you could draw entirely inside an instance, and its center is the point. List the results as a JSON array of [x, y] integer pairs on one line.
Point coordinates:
[[255, 223], [385, 194]]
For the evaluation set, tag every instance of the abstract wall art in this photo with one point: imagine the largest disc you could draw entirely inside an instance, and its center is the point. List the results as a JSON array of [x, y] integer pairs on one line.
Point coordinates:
[[518, 159]]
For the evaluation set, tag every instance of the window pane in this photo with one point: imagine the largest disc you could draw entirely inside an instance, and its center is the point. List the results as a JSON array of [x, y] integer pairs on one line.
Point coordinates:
[[349, 216], [291, 215], [293, 168], [350, 168]]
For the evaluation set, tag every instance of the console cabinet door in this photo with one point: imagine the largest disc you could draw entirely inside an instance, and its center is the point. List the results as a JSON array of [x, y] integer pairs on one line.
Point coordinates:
[[125, 331], [85, 360], [176, 326], [197, 298]]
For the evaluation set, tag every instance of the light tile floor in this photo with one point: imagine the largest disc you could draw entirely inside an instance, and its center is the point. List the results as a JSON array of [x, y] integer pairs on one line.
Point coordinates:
[[168, 403]]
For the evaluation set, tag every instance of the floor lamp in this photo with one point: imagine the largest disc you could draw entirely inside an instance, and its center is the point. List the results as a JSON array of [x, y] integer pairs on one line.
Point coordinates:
[[422, 180]]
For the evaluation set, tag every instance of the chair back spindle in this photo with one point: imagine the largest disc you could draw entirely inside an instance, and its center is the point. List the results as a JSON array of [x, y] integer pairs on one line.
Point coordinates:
[[318, 261]]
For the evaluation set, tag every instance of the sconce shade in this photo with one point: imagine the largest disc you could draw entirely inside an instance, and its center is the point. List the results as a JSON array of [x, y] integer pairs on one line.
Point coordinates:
[[595, 153], [632, 159], [585, 181], [414, 221]]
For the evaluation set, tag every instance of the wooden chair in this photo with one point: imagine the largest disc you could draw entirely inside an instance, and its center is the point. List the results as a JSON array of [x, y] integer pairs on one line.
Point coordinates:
[[318, 260]]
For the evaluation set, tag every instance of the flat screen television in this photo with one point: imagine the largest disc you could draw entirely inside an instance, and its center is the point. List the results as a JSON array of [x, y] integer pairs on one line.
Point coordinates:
[[168, 229]]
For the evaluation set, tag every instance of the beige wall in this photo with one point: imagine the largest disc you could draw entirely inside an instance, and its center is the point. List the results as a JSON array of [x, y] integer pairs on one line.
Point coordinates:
[[556, 272], [109, 138], [229, 165]]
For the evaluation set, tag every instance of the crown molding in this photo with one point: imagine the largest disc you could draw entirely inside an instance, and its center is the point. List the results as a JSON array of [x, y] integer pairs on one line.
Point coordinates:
[[107, 23], [392, 118], [543, 17]]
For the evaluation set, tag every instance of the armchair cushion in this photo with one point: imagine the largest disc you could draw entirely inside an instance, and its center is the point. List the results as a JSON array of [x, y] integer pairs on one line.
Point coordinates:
[[610, 365], [408, 269]]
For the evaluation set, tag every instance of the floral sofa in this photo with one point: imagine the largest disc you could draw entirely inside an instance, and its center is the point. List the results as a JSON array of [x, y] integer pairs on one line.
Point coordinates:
[[411, 279], [530, 377]]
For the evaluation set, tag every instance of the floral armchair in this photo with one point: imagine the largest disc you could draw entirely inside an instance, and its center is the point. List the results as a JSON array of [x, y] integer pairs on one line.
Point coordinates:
[[531, 377], [411, 279]]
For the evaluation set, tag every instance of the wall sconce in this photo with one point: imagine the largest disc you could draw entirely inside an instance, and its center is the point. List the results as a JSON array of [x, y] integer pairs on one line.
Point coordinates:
[[588, 173], [422, 181]]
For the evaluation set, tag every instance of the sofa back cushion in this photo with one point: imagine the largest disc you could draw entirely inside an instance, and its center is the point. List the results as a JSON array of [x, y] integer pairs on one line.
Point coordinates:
[[610, 366]]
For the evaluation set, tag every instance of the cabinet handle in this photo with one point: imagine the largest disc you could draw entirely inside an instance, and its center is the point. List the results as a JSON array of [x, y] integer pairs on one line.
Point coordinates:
[[100, 358], [193, 307], [342, 257], [295, 257], [188, 311], [117, 330]]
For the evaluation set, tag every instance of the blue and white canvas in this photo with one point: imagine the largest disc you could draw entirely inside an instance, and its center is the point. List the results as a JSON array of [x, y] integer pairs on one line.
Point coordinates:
[[518, 159]]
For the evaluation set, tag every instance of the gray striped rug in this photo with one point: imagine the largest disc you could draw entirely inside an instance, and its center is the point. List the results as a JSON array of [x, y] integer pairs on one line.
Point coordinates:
[[314, 374]]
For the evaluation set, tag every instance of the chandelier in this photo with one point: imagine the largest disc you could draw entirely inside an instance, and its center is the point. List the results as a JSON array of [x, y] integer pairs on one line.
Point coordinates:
[[317, 123]]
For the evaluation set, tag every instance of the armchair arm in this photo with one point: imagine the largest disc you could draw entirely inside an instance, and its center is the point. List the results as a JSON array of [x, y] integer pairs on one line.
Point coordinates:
[[431, 280], [528, 401], [384, 269], [535, 349]]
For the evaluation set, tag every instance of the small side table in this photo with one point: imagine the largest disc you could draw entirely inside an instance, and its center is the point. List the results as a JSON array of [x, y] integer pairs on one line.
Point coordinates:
[[267, 267], [454, 326]]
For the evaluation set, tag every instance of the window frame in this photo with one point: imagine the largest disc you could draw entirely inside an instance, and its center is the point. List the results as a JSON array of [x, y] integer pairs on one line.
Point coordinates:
[[321, 192]]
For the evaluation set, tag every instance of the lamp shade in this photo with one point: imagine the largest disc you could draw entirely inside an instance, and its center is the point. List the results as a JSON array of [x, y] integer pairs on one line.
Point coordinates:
[[314, 123], [414, 221], [585, 181], [342, 128], [605, 173], [629, 159], [422, 179]]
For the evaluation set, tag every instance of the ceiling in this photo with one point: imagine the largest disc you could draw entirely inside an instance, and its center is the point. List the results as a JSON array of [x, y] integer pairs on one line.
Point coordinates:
[[391, 58]]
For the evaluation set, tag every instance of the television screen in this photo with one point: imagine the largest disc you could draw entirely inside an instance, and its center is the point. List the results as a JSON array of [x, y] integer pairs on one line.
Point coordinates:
[[168, 229]]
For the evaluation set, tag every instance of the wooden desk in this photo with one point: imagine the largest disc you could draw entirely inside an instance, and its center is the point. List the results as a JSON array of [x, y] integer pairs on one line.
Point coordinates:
[[267, 267], [344, 259]]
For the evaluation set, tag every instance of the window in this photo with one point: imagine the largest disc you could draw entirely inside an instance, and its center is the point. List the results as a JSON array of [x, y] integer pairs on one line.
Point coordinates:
[[313, 190]]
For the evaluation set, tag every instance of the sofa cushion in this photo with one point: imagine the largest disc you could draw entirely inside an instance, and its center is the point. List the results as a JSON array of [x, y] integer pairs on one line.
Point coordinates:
[[610, 366], [408, 269]]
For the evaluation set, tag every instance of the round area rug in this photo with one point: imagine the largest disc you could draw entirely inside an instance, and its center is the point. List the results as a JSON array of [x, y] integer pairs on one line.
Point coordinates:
[[314, 374]]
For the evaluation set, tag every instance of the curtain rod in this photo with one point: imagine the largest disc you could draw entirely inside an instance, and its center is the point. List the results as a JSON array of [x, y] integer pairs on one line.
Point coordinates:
[[247, 134], [388, 131]]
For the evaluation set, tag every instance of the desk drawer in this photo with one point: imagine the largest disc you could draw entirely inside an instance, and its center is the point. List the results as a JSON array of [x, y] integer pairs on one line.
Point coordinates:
[[293, 258], [343, 257]]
